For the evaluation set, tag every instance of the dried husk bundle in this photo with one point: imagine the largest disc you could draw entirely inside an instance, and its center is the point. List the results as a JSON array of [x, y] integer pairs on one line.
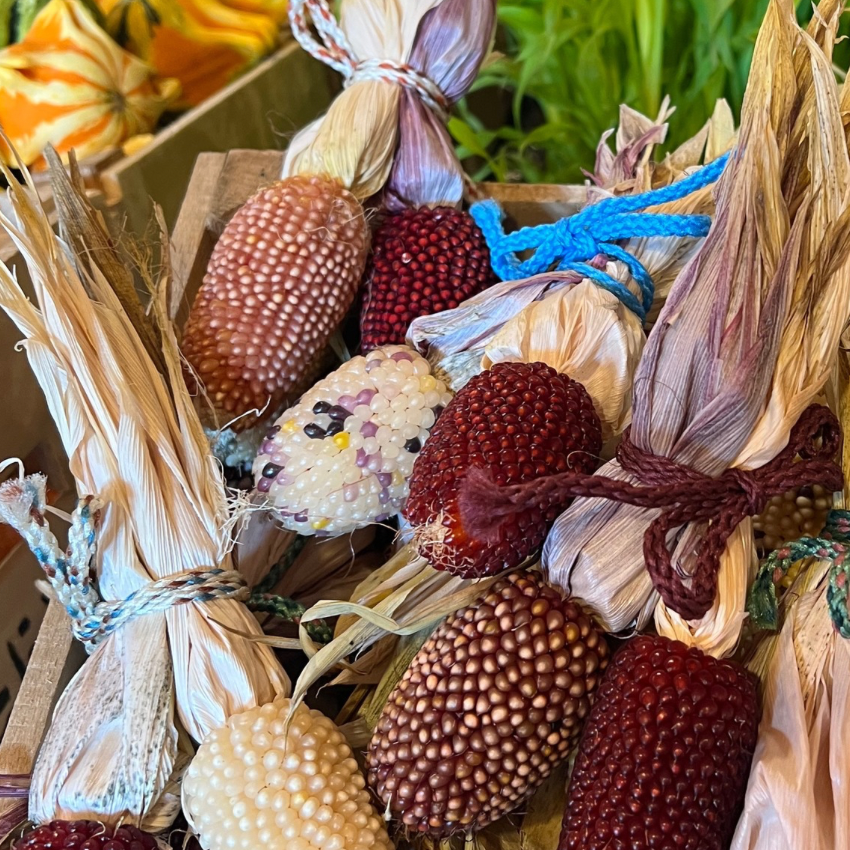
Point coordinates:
[[569, 322], [133, 438], [798, 794], [288, 265], [746, 339]]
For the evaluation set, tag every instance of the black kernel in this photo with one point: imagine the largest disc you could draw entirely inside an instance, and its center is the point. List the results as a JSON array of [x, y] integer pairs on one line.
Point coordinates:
[[321, 407], [270, 470], [413, 445], [314, 431], [437, 410], [339, 412], [334, 428], [272, 431]]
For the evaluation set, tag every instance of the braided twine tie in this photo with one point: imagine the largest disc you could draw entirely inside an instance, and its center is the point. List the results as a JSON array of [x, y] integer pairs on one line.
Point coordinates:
[[832, 545], [683, 496], [335, 50], [23, 505]]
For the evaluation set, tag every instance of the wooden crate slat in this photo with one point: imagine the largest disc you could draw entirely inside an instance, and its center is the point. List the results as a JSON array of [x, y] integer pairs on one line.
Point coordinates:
[[267, 105]]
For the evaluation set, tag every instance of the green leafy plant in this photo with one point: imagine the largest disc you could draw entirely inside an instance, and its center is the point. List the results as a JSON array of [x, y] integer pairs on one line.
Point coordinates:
[[569, 64]]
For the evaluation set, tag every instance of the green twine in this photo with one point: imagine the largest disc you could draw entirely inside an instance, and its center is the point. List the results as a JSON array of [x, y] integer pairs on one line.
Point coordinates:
[[265, 602], [276, 573], [832, 545], [291, 611]]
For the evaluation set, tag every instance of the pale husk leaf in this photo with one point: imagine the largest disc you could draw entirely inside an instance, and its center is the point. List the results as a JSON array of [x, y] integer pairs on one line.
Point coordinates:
[[354, 142], [133, 439], [569, 323]]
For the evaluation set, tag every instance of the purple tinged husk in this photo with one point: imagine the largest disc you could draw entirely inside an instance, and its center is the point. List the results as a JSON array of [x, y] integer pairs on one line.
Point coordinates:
[[451, 44]]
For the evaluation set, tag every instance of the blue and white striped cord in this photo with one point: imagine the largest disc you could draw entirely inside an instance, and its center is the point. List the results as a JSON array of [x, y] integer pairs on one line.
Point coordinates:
[[569, 244], [23, 504]]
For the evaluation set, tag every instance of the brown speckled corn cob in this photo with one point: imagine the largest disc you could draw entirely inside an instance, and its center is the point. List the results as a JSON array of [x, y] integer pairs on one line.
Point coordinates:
[[280, 280]]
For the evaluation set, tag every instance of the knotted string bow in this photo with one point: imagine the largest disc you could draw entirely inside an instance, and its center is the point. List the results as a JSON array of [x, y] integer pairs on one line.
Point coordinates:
[[571, 243], [682, 494]]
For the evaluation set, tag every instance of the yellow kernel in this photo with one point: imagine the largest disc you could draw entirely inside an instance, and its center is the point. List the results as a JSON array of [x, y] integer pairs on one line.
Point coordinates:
[[341, 440], [289, 426], [320, 524], [398, 478]]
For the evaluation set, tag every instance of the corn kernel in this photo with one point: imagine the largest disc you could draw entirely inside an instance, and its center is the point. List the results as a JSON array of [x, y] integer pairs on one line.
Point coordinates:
[[398, 478], [341, 440], [289, 427], [319, 524]]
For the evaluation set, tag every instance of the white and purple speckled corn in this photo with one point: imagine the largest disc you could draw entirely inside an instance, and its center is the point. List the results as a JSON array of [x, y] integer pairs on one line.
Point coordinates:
[[341, 458]]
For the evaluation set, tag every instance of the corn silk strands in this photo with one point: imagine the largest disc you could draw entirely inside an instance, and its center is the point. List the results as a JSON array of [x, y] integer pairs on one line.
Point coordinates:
[[563, 318], [744, 343], [133, 439]]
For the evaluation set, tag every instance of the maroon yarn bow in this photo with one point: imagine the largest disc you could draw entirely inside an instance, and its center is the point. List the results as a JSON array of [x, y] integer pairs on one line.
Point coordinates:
[[682, 494]]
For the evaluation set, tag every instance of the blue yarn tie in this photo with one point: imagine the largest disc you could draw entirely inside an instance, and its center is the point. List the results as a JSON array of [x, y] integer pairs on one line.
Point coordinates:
[[569, 244]]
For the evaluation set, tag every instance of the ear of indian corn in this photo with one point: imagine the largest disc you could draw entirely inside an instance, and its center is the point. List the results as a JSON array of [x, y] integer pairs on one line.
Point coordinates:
[[341, 458], [254, 784], [423, 261], [490, 705], [665, 755], [85, 835], [280, 280], [520, 421]]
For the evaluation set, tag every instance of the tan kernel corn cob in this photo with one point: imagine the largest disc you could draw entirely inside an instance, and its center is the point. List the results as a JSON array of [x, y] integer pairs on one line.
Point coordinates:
[[280, 280], [490, 705]]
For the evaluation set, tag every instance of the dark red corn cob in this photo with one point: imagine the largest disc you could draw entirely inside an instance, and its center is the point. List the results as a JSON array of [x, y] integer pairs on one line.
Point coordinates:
[[665, 755], [85, 835], [424, 261], [281, 278], [519, 421], [490, 705]]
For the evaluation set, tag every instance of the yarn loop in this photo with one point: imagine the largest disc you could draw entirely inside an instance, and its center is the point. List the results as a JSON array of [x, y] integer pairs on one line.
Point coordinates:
[[578, 243]]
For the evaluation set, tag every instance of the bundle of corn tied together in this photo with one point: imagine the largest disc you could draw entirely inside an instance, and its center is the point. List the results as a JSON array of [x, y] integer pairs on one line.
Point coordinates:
[[288, 265], [151, 537], [767, 294]]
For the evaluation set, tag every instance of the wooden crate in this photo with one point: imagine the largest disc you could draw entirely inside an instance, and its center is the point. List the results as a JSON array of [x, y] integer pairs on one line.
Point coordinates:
[[220, 183]]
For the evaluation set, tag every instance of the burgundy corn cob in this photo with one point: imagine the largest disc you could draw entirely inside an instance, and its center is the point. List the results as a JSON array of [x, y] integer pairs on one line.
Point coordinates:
[[423, 261], [520, 421], [85, 835], [281, 278], [490, 705], [665, 755]]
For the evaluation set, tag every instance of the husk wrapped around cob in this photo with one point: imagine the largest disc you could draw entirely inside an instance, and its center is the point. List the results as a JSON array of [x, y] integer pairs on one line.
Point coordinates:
[[132, 437], [799, 788], [427, 254], [745, 341]]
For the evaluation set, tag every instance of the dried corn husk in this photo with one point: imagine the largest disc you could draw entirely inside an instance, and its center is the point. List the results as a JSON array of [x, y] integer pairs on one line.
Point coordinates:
[[403, 597], [745, 341], [356, 139], [450, 46], [799, 789], [132, 438], [570, 323]]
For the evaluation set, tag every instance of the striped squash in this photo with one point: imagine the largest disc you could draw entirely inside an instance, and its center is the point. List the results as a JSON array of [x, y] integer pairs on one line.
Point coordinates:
[[70, 85], [202, 43]]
